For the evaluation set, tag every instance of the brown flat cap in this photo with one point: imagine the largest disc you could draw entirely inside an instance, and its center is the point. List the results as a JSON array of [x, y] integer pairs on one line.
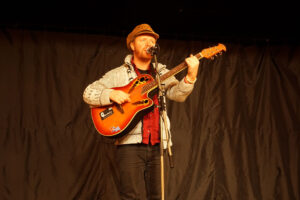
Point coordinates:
[[139, 30]]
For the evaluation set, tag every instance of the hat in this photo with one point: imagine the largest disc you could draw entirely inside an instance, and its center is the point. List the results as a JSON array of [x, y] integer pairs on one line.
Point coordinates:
[[139, 30]]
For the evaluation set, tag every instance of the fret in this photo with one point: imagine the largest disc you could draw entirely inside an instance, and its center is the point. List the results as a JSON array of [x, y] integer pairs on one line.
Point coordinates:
[[182, 66]]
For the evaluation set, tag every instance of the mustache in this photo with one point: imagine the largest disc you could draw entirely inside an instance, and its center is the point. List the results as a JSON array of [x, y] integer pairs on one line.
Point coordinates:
[[153, 50]]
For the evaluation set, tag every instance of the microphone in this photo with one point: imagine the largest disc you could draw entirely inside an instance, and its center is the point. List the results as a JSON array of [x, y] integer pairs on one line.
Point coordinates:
[[153, 50]]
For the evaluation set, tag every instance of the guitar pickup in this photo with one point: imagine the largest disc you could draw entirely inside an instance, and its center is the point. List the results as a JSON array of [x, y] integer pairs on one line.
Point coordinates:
[[106, 113]]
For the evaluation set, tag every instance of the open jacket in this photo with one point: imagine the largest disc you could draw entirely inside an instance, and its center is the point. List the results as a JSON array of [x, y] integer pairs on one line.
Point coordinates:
[[97, 94]]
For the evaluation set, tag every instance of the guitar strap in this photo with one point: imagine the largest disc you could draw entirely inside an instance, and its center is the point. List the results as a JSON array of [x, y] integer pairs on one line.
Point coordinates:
[[129, 73]]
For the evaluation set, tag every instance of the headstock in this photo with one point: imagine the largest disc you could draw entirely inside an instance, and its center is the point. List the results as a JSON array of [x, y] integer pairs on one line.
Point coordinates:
[[212, 51]]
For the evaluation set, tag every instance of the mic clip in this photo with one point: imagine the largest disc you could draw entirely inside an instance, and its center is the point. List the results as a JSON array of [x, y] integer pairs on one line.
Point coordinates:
[[153, 50]]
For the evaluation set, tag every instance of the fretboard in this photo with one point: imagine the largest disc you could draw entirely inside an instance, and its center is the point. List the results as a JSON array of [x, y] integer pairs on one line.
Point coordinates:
[[152, 85]]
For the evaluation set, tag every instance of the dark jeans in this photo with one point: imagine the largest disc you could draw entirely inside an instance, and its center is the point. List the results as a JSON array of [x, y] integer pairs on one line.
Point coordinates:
[[139, 167]]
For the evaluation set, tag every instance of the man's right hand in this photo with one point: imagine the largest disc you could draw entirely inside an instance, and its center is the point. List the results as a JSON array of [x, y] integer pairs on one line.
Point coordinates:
[[119, 96]]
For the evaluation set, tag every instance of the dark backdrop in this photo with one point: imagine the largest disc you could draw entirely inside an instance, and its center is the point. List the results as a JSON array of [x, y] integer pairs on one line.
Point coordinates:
[[235, 137]]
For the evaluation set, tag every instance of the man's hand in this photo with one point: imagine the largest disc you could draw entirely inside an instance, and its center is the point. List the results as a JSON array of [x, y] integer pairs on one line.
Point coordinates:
[[193, 65], [119, 96]]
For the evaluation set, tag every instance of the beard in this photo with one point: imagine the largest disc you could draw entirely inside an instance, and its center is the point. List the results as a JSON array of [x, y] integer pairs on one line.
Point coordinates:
[[142, 55]]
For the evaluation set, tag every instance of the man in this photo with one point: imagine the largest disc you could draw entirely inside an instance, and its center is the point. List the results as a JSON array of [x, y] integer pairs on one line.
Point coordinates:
[[138, 152]]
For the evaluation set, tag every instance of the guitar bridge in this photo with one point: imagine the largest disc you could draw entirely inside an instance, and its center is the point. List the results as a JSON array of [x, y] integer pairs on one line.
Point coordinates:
[[120, 108]]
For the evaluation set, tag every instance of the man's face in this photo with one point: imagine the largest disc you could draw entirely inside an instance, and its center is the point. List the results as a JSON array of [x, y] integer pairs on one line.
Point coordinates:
[[140, 45]]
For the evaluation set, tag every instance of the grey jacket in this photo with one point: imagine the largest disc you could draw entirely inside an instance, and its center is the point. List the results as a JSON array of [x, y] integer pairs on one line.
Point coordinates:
[[97, 94]]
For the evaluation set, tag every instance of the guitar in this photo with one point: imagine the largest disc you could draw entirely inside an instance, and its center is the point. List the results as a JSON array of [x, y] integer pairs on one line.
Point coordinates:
[[116, 120]]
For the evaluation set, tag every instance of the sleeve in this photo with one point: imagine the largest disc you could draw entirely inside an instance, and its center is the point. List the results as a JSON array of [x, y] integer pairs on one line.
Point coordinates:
[[176, 90], [97, 93]]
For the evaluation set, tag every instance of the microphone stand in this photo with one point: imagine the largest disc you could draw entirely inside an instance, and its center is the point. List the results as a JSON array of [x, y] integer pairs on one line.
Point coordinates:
[[163, 121]]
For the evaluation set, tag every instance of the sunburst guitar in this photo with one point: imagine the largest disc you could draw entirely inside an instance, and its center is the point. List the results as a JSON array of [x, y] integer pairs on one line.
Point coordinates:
[[116, 120]]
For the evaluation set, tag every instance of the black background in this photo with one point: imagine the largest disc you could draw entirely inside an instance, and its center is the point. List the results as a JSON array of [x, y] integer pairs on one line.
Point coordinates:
[[260, 20]]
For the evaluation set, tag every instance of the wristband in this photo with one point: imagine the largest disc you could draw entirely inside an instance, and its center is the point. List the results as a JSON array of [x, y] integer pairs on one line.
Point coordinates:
[[189, 81]]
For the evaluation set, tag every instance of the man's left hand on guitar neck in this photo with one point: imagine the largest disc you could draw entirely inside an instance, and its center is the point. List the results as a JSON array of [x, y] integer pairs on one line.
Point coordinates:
[[193, 65]]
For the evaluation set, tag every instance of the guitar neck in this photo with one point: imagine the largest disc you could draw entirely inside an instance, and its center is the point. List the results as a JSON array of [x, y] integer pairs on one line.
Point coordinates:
[[172, 72]]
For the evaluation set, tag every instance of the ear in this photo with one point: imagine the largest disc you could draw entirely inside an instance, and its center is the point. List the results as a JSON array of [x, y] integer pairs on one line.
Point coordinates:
[[131, 46]]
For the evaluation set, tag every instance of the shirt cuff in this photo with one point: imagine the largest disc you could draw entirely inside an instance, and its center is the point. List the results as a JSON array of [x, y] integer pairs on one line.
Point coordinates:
[[185, 87], [104, 97]]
